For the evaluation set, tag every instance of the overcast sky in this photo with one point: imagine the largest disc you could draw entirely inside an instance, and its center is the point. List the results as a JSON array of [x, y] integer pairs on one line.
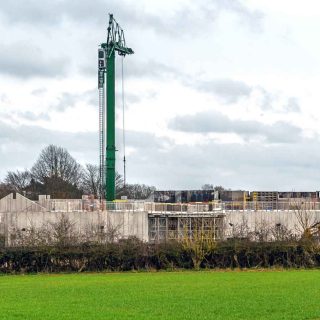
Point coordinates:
[[218, 91]]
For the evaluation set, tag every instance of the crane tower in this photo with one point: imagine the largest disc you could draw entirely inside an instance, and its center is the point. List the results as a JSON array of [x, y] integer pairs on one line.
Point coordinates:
[[106, 71]]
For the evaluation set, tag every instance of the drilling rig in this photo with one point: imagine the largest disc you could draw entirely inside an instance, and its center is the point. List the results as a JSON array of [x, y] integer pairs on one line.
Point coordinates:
[[106, 71]]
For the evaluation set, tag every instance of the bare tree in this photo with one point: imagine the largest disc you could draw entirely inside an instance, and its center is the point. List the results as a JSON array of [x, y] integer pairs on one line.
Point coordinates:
[[91, 180], [57, 173], [207, 186], [30, 236], [110, 232], [280, 232], [63, 232], [305, 217], [5, 189], [138, 191], [241, 229], [56, 163], [262, 232], [201, 241], [101, 233], [19, 180]]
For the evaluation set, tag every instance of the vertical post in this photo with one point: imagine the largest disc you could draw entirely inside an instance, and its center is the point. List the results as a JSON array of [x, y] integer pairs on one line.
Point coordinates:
[[111, 148]]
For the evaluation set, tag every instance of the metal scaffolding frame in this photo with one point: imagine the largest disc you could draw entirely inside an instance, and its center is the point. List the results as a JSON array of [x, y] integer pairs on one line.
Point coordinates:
[[166, 227]]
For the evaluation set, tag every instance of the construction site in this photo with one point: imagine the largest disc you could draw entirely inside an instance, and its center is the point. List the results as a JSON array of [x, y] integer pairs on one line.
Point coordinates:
[[166, 215], [155, 221]]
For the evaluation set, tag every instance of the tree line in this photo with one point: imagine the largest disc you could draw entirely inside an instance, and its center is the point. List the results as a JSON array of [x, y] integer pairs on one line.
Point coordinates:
[[58, 174]]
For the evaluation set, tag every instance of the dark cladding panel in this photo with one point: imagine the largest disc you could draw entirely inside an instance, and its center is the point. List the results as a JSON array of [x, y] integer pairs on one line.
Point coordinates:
[[178, 196], [164, 196], [184, 196], [229, 195], [225, 195], [298, 195]]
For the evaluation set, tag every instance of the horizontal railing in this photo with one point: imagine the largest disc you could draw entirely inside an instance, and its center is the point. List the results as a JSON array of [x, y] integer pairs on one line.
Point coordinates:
[[66, 205], [152, 207], [271, 206]]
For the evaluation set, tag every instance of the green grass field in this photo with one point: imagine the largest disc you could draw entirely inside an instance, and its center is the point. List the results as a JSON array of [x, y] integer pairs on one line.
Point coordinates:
[[163, 295]]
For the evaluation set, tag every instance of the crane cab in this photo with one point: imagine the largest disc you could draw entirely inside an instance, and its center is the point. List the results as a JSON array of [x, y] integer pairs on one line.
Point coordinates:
[[101, 59]]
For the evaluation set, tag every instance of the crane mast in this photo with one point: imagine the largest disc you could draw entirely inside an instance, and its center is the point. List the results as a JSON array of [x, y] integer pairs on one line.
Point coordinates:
[[106, 70]]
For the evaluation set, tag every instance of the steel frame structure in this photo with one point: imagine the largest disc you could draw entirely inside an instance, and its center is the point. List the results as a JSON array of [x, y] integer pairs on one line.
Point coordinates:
[[180, 227]]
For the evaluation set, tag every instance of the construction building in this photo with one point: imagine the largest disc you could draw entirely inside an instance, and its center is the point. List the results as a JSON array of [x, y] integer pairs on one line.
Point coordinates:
[[156, 221]]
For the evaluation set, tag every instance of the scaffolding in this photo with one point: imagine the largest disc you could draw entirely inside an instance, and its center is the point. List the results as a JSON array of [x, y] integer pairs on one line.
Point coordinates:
[[186, 226], [102, 146]]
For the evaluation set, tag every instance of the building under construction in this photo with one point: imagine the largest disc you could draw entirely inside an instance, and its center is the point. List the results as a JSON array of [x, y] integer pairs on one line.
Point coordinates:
[[148, 221], [153, 221]]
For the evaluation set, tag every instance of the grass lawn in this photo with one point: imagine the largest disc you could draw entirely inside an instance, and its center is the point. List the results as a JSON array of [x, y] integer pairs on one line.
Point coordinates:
[[164, 295]]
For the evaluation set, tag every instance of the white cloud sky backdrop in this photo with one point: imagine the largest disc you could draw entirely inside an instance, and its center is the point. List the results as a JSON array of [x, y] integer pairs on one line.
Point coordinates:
[[222, 92]]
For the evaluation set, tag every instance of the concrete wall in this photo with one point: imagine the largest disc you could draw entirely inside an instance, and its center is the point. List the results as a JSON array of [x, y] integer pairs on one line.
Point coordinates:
[[126, 223], [256, 220], [129, 223], [17, 202], [2, 224]]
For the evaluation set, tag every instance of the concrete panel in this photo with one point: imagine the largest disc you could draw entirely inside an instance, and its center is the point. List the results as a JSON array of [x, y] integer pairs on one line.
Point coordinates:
[[17, 202], [126, 223], [268, 219]]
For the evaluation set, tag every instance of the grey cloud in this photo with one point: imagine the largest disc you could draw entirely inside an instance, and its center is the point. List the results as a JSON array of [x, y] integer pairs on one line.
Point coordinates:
[[189, 21], [230, 91], [4, 98], [293, 105], [132, 98], [69, 100], [184, 21], [24, 60], [35, 135], [39, 91], [267, 99], [252, 18], [91, 96], [47, 12], [207, 122], [280, 132], [227, 90], [66, 100], [140, 140], [28, 115]]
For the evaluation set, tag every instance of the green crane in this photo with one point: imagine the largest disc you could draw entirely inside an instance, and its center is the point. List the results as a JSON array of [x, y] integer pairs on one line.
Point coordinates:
[[106, 68]]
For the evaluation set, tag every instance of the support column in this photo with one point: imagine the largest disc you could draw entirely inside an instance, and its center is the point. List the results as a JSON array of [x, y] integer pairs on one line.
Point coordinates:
[[111, 148]]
